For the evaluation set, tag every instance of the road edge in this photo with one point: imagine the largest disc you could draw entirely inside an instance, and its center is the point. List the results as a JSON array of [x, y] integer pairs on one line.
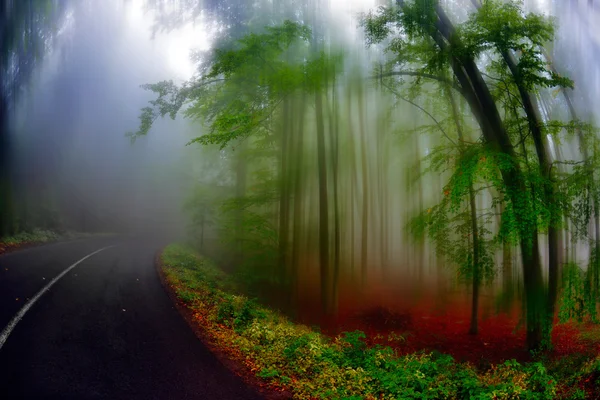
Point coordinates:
[[37, 244], [236, 367]]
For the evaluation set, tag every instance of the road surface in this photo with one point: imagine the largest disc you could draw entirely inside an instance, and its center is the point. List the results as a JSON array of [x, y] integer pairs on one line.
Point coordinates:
[[105, 330]]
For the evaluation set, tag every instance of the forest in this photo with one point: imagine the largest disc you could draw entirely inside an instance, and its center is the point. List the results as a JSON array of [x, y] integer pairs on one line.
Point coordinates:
[[423, 171]]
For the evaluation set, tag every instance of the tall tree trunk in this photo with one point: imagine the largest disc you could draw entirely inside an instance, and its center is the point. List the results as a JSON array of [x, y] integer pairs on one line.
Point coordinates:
[[334, 135], [420, 247], [535, 122], [507, 274], [323, 202], [365, 187], [473, 216], [284, 195], [476, 267], [240, 192], [202, 230], [298, 210], [6, 202], [354, 201]]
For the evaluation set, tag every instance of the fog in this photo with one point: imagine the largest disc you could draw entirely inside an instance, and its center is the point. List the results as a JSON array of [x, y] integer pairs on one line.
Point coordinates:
[[318, 201], [68, 124]]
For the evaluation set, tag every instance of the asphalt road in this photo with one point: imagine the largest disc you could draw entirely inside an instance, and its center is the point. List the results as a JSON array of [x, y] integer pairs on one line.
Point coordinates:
[[105, 330]]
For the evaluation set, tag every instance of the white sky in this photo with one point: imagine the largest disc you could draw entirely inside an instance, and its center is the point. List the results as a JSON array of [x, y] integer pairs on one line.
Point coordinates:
[[176, 44]]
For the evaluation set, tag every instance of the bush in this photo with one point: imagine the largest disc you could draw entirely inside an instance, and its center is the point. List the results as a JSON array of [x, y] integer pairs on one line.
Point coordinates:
[[354, 348], [246, 315], [226, 312]]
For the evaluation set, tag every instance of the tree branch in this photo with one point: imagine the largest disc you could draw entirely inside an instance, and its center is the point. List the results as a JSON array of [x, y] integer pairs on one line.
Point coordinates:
[[424, 110], [421, 75]]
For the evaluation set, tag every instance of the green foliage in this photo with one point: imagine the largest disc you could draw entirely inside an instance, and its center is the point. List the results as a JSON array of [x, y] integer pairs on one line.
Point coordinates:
[[267, 374], [241, 90], [503, 27], [226, 312], [35, 236], [187, 296], [448, 223], [579, 296], [252, 47], [354, 347], [496, 29], [379, 25], [246, 315]]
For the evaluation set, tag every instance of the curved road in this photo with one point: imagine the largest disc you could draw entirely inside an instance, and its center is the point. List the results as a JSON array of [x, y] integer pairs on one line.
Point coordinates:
[[105, 330]]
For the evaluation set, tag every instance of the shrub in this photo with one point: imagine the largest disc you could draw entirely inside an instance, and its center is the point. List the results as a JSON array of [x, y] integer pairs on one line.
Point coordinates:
[[247, 314], [226, 311]]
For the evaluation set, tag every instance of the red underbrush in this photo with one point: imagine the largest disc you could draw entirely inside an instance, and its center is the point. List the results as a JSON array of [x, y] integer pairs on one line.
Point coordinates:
[[500, 337]]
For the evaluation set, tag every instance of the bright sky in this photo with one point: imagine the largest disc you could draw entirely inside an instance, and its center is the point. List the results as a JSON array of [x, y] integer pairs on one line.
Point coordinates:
[[352, 5], [176, 44]]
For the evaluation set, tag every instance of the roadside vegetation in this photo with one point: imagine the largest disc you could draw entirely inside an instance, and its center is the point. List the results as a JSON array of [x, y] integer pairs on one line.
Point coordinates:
[[311, 365], [35, 236]]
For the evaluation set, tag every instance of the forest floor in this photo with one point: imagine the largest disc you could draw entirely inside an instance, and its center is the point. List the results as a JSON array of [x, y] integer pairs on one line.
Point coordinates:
[[499, 337], [376, 352]]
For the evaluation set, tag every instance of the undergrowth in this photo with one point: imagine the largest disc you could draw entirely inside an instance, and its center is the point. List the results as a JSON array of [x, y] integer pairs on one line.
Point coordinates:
[[313, 366], [37, 236]]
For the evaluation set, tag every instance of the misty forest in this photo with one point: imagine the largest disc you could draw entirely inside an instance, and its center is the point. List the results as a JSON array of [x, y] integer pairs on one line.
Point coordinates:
[[411, 184]]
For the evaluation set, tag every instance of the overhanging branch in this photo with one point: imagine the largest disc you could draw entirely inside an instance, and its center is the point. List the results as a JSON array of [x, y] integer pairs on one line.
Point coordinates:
[[421, 75]]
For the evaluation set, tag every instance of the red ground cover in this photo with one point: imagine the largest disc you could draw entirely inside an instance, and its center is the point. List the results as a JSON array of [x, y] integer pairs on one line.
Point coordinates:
[[395, 312], [498, 338], [425, 326]]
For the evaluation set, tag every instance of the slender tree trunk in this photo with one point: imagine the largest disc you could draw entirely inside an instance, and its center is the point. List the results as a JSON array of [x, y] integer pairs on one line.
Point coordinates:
[[284, 196], [365, 187], [202, 230], [299, 195], [473, 216], [353, 185], [420, 247], [507, 271], [323, 202], [240, 192], [583, 146], [6, 203], [476, 267], [334, 135], [535, 122]]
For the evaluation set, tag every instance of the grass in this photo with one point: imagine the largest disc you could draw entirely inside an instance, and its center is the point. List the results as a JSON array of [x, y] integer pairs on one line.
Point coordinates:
[[313, 366], [38, 236], [35, 236]]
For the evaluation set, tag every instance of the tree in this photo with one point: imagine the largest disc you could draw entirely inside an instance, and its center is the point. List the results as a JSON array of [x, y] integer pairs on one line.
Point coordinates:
[[27, 27], [421, 35]]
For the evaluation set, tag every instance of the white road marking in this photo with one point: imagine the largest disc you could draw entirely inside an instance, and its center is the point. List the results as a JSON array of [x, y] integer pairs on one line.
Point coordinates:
[[13, 322]]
